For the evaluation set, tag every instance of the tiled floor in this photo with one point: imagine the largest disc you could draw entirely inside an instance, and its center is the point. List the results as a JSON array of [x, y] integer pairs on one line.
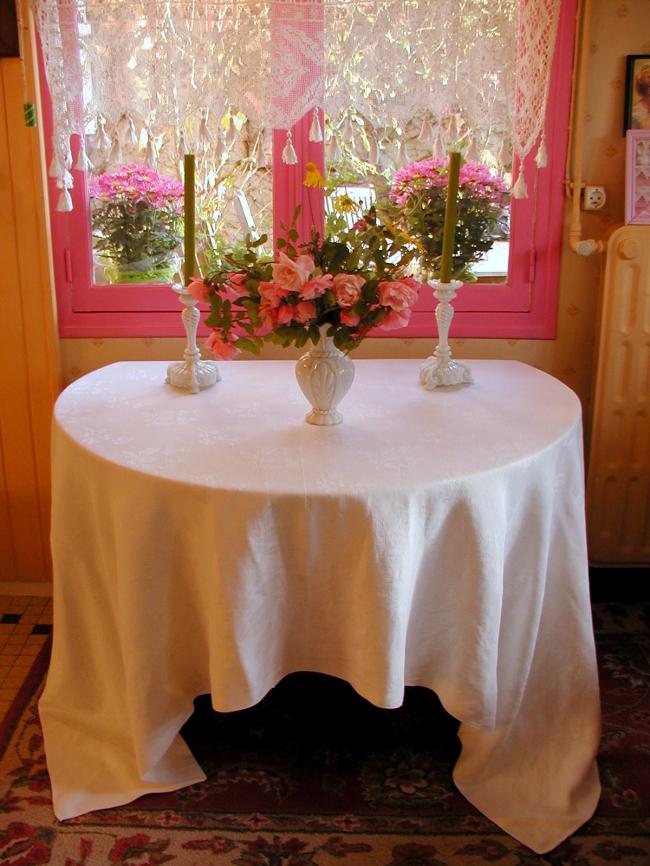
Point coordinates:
[[25, 623]]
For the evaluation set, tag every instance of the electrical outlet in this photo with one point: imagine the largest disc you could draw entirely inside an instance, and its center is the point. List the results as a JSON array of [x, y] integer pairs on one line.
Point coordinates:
[[594, 197]]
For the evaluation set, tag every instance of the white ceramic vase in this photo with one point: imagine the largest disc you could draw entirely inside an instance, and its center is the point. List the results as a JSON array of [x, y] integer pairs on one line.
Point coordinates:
[[325, 375]]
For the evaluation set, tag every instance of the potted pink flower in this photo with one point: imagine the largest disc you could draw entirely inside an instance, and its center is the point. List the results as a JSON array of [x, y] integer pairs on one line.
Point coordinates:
[[137, 223], [417, 202]]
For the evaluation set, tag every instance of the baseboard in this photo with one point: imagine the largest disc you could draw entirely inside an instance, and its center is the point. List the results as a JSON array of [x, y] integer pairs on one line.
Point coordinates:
[[608, 583], [25, 587], [620, 583]]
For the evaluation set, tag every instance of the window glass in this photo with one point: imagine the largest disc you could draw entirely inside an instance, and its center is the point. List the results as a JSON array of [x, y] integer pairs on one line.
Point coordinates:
[[516, 280], [362, 173], [135, 198]]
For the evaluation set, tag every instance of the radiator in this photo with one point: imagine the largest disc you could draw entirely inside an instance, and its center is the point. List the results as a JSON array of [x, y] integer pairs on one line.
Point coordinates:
[[618, 480]]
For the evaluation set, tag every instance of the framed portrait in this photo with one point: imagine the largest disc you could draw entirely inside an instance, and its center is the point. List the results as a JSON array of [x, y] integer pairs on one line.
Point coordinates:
[[637, 92], [8, 29], [637, 177]]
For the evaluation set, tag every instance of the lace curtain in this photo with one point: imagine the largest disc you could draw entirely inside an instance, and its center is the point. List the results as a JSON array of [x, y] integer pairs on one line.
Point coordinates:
[[188, 75]]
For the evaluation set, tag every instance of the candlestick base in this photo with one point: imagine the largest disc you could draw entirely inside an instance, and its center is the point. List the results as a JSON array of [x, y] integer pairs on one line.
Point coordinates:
[[192, 374], [435, 372], [439, 369]]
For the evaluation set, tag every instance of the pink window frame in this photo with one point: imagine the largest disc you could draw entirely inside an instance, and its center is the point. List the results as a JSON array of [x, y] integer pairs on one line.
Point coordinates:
[[525, 306]]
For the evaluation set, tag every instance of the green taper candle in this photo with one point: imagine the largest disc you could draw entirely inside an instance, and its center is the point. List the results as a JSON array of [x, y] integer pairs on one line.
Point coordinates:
[[189, 242], [451, 215]]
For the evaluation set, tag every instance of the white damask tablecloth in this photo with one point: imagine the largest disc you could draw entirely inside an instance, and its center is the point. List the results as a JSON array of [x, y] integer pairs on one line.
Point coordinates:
[[215, 543]]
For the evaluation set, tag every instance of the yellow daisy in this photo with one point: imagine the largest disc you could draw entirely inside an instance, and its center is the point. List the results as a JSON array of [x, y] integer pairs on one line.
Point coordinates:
[[345, 204], [313, 177]]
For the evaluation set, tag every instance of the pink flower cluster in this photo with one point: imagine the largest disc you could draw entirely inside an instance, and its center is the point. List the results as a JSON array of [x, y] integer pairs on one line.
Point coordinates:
[[292, 297], [137, 183], [476, 181]]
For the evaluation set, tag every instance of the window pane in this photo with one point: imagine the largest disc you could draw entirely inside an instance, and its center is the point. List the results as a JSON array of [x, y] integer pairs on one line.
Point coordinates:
[[363, 174], [136, 209]]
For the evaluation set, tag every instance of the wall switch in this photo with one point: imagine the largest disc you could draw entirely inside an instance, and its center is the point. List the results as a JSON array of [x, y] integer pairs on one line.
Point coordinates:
[[594, 197]]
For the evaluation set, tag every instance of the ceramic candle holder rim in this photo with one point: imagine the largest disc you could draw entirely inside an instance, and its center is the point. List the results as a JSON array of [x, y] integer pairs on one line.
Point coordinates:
[[452, 284]]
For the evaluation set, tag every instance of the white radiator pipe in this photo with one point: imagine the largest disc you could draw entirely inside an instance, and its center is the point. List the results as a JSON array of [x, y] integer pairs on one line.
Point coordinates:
[[574, 187]]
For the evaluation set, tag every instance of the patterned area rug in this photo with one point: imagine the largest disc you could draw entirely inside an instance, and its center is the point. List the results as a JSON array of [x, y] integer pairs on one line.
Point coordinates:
[[315, 776]]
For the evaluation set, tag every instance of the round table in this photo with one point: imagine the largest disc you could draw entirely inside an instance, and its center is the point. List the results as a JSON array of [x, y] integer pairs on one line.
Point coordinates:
[[214, 543]]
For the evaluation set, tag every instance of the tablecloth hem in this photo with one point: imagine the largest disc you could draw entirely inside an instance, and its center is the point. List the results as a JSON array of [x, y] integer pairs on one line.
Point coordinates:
[[99, 802], [390, 699], [530, 836]]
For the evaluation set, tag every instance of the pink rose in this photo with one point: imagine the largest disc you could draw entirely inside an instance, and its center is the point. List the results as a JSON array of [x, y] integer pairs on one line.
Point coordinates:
[[397, 294], [304, 311], [284, 314], [237, 281], [290, 274], [272, 316], [198, 288], [268, 316], [395, 319], [347, 289], [413, 283], [272, 293], [349, 320], [316, 287], [220, 347]]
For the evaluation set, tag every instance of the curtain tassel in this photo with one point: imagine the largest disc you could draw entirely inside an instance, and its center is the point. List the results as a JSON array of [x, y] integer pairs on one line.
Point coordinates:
[[437, 150], [426, 130], [505, 157], [150, 154], [347, 132], [401, 155], [83, 163], [541, 158], [181, 147], [64, 204], [520, 190], [130, 136], [55, 169], [116, 151], [373, 150], [102, 140], [289, 156], [473, 153], [220, 149], [315, 131], [333, 149], [205, 136]]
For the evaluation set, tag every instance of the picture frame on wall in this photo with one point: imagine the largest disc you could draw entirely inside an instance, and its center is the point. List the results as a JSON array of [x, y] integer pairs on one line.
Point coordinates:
[[9, 44], [637, 177], [637, 92]]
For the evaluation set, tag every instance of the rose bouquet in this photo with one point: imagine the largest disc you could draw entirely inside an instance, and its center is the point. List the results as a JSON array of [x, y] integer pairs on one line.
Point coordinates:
[[417, 201], [137, 223], [351, 283]]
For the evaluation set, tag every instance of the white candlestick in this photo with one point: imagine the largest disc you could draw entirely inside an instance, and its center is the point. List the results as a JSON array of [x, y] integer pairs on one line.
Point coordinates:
[[439, 369], [192, 374]]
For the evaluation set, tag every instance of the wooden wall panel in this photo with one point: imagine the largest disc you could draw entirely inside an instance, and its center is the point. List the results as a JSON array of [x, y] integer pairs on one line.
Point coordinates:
[[29, 374]]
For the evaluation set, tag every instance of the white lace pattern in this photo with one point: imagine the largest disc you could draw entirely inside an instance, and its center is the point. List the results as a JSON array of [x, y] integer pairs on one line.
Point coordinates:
[[171, 73]]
